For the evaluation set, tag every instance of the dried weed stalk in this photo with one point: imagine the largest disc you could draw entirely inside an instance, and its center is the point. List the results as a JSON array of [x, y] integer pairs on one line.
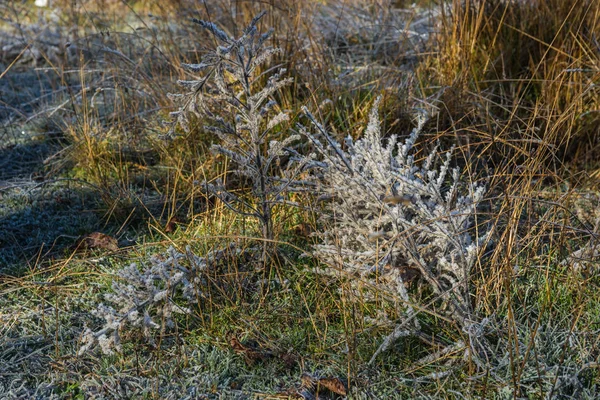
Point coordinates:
[[236, 98]]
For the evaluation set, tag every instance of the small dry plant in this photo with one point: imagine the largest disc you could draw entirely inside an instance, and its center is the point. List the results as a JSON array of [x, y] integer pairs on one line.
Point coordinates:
[[237, 103], [147, 298], [230, 86], [390, 220]]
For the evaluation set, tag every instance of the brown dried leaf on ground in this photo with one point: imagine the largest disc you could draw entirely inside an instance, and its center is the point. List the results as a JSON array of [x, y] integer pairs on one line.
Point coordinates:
[[334, 385], [251, 351], [97, 240], [320, 386], [172, 224]]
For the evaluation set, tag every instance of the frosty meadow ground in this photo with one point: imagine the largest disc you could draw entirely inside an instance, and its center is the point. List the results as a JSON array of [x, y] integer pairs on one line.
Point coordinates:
[[368, 199]]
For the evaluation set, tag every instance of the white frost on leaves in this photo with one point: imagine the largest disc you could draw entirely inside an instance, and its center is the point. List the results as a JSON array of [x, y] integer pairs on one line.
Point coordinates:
[[142, 295], [390, 213]]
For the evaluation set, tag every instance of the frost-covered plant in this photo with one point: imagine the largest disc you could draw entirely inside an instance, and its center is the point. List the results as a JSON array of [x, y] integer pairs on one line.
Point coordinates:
[[232, 96], [237, 105], [390, 220], [146, 297]]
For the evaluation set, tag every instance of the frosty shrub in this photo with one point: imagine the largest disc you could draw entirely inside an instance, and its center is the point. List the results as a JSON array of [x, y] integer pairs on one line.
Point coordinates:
[[392, 223], [146, 297], [238, 103]]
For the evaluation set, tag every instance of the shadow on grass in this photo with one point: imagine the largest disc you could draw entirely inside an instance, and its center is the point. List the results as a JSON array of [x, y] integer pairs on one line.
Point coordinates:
[[42, 218], [23, 91], [40, 222]]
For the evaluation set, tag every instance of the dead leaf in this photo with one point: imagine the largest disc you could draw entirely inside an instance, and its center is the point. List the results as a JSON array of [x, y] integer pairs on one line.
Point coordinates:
[[314, 385], [334, 385], [235, 344], [251, 353], [97, 240], [172, 224]]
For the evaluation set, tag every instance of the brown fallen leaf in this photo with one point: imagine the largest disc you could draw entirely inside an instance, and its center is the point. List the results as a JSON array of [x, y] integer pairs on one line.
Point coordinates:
[[97, 240], [172, 224], [236, 345], [314, 385], [251, 354], [334, 385]]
